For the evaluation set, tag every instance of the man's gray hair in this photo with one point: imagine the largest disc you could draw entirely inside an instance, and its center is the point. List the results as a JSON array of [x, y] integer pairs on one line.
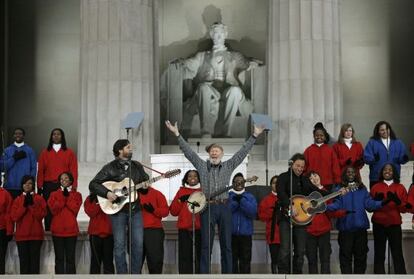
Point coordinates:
[[214, 145]]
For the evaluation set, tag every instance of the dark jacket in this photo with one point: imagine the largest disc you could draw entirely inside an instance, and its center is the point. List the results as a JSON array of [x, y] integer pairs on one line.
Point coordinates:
[[115, 171], [301, 185]]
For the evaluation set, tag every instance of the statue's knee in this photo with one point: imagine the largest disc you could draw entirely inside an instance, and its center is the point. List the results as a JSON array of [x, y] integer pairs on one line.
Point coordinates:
[[204, 87], [207, 92], [235, 92]]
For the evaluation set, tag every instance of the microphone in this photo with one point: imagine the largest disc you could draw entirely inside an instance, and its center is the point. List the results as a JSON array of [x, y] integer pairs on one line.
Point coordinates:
[[290, 163], [198, 146]]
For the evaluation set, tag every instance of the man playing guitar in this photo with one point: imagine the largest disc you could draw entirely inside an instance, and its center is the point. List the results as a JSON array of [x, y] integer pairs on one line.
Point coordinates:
[[117, 170], [290, 183]]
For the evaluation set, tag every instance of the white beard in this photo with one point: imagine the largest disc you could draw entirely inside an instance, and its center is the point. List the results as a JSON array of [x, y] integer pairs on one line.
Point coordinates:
[[215, 161]]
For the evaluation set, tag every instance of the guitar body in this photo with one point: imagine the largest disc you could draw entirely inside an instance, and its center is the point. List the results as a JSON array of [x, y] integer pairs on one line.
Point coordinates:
[[306, 207], [121, 190]]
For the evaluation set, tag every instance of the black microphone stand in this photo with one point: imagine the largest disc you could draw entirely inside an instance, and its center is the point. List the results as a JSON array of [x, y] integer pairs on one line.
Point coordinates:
[[193, 206], [129, 209], [290, 163], [209, 228], [266, 157], [388, 243], [3, 156]]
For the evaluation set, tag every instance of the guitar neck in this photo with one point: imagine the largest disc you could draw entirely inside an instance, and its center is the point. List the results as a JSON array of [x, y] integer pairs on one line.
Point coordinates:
[[328, 197], [150, 181], [247, 180], [219, 192]]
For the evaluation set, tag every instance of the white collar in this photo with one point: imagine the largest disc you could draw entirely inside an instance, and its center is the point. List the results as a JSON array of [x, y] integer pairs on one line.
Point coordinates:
[[192, 187], [274, 193], [389, 182], [19, 144], [386, 142], [348, 142], [63, 188], [238, 192], [57, 147], [319, 144]]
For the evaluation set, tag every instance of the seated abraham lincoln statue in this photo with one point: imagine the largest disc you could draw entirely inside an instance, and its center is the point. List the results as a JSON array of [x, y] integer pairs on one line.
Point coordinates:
[[218, 94]]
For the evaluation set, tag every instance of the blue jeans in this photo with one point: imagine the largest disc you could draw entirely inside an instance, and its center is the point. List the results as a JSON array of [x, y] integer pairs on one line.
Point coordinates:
[[220, 214], [119, 230]]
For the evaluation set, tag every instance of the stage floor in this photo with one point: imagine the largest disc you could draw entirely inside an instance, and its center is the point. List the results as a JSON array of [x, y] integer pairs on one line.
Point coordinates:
[[217, 276]]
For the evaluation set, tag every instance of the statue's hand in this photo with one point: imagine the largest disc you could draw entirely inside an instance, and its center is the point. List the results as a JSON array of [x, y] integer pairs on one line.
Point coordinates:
[[172, 128], [177, 62], [258, 130], [254, 63]]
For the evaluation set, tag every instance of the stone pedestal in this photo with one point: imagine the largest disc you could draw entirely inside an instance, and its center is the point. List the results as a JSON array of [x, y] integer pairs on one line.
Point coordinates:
[[304, 72]]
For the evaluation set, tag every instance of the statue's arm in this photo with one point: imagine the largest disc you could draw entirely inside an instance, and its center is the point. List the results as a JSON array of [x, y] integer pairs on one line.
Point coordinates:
[[242, 61], [246, 63], [191, 65]]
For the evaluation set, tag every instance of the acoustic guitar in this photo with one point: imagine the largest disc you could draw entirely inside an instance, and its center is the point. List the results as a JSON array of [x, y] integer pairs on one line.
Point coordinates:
[[306, 207], [121, 189]]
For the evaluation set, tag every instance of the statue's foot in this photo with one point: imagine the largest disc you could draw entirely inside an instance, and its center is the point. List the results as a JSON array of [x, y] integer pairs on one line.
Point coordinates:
[[206, 136]]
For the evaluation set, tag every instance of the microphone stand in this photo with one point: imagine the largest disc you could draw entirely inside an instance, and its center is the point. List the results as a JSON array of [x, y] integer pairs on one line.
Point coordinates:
[[388, 250], [290, 218], [3, 156], [266, 157], [209, 228], [130, 217], [193, 206], [129, 210]]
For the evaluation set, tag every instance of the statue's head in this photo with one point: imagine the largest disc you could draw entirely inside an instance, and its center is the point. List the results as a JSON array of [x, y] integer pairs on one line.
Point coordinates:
[[218, 33]]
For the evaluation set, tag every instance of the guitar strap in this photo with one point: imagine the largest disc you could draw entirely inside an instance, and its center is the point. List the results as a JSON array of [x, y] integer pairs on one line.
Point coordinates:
[[154, 170]]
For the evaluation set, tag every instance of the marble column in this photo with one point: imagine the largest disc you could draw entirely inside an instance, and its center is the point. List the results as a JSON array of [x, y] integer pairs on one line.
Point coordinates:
[[304, 72], [117, 76]]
